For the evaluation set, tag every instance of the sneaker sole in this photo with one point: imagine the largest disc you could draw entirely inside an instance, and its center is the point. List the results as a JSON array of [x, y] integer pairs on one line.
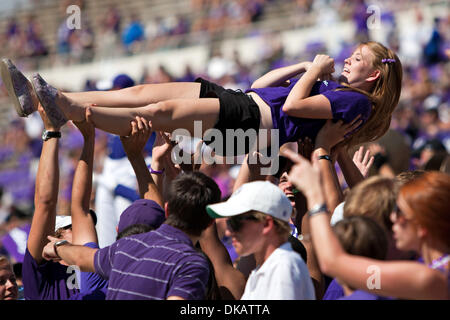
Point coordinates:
[[7, 81]]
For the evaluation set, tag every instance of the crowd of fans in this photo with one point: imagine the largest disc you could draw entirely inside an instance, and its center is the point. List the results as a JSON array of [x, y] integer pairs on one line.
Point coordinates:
[[119, 32], [419, 137]]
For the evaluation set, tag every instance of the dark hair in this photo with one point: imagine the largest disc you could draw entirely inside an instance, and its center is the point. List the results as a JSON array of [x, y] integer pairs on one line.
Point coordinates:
[[134, 229], [17, 268], [362, 236], [188, 196], [298, 247], [284, 165]]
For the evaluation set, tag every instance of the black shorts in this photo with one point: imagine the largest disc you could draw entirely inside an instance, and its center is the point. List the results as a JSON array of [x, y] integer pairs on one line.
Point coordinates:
[[237, 110]]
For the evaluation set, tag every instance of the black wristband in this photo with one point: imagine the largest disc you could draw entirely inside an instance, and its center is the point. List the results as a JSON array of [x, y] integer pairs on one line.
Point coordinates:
[[325, 156]]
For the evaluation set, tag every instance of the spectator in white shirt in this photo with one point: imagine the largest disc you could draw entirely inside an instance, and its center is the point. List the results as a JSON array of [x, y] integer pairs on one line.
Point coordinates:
[[258, 223]]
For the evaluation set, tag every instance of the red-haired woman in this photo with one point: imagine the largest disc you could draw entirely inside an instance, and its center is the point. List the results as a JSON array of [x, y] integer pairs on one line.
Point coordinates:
[[421, 223]]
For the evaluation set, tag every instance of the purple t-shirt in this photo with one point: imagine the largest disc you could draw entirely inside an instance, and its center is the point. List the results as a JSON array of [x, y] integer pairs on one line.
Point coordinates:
[[46, 281], [153, 265], [334, 291], [92, 285], [362, 295], [15, 242], [345, 105]]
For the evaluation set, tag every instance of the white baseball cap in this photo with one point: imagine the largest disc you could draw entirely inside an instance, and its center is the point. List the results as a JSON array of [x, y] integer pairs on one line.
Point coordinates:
[[261, 196], [62, 221]]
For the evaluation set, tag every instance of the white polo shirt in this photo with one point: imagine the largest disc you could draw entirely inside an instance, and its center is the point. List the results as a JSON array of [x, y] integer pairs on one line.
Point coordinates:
[[283, 276]]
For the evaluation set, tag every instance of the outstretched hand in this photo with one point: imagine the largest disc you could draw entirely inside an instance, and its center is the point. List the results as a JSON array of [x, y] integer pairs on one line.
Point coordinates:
[[48, 253], [163, 146], [363, 163], [140, 133], [333, 133], [86, 126], [196, 159], [304, 174]]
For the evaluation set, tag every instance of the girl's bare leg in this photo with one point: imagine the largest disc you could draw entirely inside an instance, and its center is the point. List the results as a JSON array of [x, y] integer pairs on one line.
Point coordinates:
[[166, 115], [138, 96]]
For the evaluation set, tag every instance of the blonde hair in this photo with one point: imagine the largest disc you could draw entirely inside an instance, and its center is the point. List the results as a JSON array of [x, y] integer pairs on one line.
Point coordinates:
[[384, 96], [375, 198], [282, 227]]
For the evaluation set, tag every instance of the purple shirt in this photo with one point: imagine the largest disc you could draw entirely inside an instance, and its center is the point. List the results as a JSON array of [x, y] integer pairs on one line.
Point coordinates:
[[46, 281], [362, 295], [345, 105], [334, 291], [15, 242], [92, 285], [153, 265]]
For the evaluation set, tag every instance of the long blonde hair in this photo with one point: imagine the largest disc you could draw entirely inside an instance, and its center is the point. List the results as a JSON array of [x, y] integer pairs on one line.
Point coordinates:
[[384, 95]]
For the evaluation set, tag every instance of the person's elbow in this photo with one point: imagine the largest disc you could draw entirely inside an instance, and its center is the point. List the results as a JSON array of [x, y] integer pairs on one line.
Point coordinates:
[[289, 107], [325, 266], [327, 263]]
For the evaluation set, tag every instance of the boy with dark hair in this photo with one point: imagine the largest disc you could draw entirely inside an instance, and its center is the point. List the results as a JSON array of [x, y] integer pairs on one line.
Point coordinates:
[[161, 264]]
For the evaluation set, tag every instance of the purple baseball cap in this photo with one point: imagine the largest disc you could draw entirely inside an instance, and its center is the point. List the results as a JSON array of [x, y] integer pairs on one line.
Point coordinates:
[[142, 211], [122, 81]]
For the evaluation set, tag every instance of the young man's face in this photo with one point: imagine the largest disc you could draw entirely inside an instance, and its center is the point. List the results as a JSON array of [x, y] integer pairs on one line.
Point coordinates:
[[246, 233]]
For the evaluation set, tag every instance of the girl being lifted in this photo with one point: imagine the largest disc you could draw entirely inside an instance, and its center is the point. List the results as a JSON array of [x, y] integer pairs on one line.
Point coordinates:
[[368, 88]]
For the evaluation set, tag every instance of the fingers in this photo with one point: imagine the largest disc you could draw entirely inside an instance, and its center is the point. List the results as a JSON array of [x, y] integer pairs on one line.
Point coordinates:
[[166, 138], [134, 128], [358, 154], [140, 125], [366, 157], [88, 115], [197, 156], [141, 128], [51, 238], [291, 155], [370, 163]]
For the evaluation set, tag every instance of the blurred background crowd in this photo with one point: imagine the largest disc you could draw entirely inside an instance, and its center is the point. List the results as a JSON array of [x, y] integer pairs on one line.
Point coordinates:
[[35, 35]]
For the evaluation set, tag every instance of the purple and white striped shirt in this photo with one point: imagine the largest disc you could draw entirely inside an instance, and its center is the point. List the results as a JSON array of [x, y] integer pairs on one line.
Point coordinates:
[[153, 265]]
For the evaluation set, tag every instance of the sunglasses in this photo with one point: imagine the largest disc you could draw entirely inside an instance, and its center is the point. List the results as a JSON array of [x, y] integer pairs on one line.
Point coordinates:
[[235, 223], [398, 216]]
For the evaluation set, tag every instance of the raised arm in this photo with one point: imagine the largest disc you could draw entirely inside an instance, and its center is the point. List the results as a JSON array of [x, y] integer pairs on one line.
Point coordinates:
[[405, 280], [351, 173], [231, 282], [328, 137], [250, 171], [83, 227], [278, 77], [133, 146], [299, 103], [162, 166], [46, 193]]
